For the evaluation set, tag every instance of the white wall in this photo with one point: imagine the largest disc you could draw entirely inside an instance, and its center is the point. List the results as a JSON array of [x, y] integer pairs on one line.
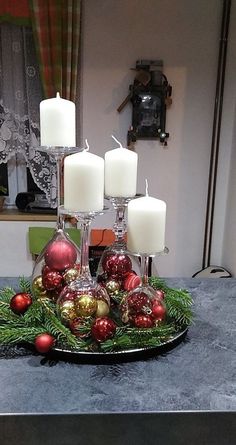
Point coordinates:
[[224, 235], [185, 34], [16, 259]]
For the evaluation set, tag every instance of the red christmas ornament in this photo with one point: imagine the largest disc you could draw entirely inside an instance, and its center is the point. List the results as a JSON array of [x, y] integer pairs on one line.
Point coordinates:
[[51, 279], [60, 255], [160, 294], [103, 328], [158, 311], [78, 327], [44, 342], [143, 321], [131, 281], [138, 302], [20, 302], [117, 264]]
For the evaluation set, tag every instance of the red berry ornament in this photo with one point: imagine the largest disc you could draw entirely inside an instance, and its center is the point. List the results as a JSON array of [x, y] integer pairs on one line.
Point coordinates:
[[143, 321], [158, 311], [78, 327], [131, 281], [138, 302], [44, 342], [20, 302], [160, 294], [103, 328], [60, 255], [117, 264], [51, 279]]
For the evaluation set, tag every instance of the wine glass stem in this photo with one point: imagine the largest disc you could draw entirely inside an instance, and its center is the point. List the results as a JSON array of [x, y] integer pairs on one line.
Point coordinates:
[[84, 264], [120, 224], [145, 268], [60, 219]]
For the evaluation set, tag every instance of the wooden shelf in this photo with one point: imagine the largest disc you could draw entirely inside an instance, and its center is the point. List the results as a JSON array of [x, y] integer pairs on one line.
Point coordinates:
[[15, 215]]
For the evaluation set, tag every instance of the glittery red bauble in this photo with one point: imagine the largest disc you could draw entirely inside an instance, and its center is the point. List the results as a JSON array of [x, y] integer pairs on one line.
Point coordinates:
[[131, 281], [20, 303], [143, 321], [67, 294], [44, 342], [138, 302], [160, 293], [117, 264], [103, 328], [158, 311], [78, 327], [60, 255], [51, 279]]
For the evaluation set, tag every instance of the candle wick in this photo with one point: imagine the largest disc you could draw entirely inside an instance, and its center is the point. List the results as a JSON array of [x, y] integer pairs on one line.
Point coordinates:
[[58, 95], [118, 142], [146, 181], [87, 145]]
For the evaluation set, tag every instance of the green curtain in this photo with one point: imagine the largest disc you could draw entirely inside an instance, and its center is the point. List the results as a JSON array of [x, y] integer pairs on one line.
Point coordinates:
[[56, 25]]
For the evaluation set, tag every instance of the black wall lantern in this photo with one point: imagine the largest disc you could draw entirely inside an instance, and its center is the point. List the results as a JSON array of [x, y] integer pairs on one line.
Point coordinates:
[[150, 95]]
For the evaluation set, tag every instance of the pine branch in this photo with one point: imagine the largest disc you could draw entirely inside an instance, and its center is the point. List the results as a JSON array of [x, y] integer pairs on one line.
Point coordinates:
[[24, 285], [6, 295], [34, 315], [178, 302], [56, 328], [12, 335]]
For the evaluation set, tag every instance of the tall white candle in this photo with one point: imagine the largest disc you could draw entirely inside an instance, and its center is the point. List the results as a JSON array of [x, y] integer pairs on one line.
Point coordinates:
[[83, 182], [120, 172], [57, 122], [146, 225]]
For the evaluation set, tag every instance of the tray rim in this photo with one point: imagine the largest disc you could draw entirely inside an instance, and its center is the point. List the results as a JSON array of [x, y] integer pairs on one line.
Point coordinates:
[[126, 354]]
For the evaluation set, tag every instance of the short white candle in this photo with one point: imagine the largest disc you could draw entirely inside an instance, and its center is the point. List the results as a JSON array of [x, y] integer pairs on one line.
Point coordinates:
[[83, 182], [120, 172], [146, 225], [57, 122]]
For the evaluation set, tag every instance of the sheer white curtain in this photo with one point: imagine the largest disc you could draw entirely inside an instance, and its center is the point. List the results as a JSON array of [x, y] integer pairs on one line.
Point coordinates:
[[20, 95]]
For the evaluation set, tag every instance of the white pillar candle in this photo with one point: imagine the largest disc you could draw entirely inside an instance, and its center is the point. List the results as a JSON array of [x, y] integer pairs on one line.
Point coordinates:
[[146, 225], [83, 182], [120, 172], [57, 122]]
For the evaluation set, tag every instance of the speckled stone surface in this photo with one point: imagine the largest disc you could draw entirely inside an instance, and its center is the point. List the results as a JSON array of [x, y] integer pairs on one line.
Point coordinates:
[[199, 374]]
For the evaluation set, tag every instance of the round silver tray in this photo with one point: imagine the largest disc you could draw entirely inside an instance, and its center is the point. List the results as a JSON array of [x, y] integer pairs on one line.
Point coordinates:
[[118, 356]]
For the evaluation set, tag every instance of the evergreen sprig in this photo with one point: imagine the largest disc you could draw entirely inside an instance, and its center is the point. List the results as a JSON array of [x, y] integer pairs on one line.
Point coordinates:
[[178, 302], [41, 317]]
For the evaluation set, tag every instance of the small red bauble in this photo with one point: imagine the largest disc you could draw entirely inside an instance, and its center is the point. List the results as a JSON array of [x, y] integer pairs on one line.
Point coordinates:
[[143, 321], [51, 279], [117, 264], [44, 342], [138, 302], [103, 328], [160, 293], [131, 281], [158, 311], [60, 255], [78, 327], [20, 302]]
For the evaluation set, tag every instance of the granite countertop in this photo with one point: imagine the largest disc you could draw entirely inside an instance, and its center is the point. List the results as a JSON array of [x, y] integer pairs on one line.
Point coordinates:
[[199, 374]]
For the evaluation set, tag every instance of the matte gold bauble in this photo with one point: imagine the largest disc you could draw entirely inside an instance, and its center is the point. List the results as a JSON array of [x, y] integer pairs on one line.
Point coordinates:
[[102, 309]]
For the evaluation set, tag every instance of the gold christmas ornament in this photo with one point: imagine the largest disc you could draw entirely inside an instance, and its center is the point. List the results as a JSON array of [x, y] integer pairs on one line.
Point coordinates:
[[85, 305], [67, 311], [112, 287], [70, 275], [38, 289], [102, 308]]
